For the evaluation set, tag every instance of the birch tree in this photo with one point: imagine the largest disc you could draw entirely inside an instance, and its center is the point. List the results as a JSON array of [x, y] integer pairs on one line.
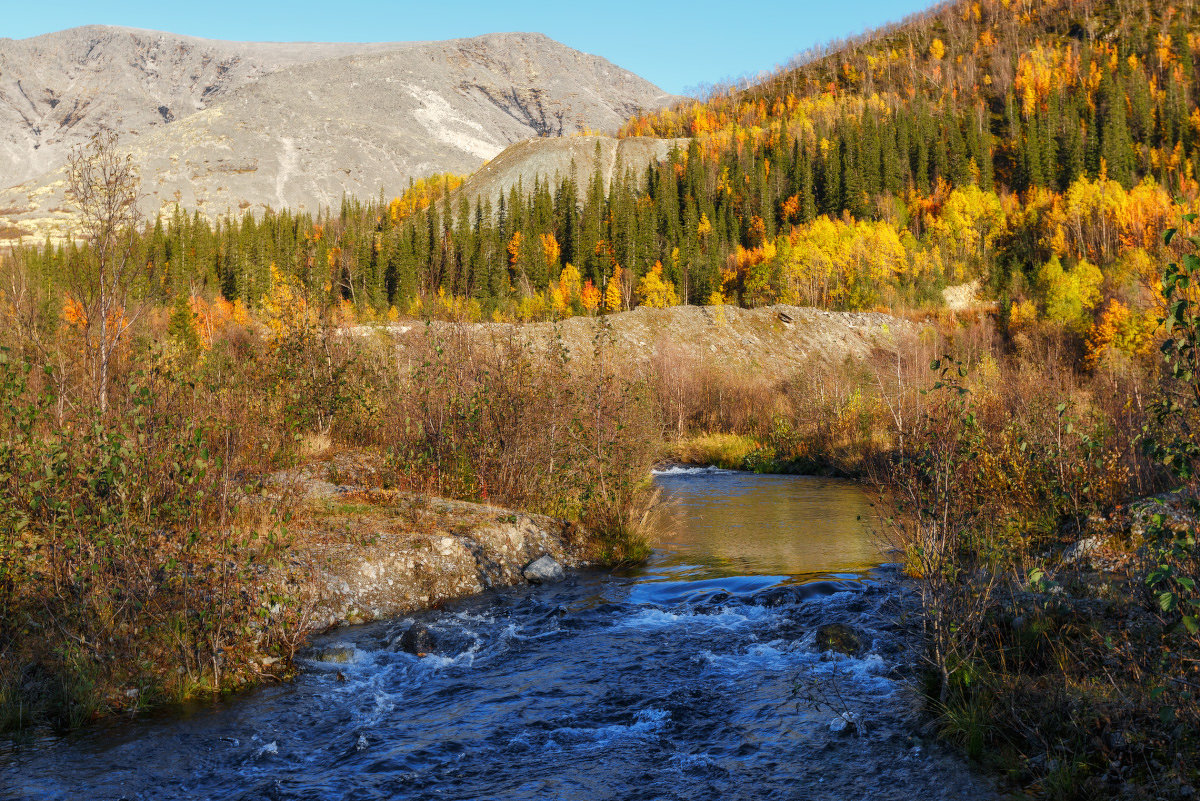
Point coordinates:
[[105, 187]]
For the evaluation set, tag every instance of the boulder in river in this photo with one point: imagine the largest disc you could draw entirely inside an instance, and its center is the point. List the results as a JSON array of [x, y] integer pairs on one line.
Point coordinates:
[[840, 638], [418, 639], [338, 652], [543, 571]]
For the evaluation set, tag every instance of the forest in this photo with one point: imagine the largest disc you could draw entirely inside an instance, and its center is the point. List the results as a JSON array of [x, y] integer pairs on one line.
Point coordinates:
[[1038, 150]]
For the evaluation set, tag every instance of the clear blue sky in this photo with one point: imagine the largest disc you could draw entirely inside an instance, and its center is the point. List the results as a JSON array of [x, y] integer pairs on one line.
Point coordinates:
[[676, 45]]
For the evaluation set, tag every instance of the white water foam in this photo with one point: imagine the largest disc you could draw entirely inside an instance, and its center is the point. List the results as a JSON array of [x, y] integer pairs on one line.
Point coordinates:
[[689, 470], [726, 618], [646, 723]]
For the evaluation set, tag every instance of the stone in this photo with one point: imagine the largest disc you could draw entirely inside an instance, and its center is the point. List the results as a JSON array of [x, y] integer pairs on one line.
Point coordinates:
[[544, 570], [418, 639], [780, 596], [1082, 549], [844, 723], [340, 653], [839, 638]]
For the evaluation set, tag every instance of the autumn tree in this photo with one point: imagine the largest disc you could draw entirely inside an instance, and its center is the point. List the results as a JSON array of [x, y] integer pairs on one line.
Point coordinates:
[[613, 301], [655, 291], [104, 186]]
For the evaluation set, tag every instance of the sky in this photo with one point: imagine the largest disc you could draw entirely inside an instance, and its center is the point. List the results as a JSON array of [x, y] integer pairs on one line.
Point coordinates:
[[680, 46]]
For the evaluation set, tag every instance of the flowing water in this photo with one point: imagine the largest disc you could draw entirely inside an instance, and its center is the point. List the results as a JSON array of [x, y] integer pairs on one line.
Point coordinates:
[[696, 676]]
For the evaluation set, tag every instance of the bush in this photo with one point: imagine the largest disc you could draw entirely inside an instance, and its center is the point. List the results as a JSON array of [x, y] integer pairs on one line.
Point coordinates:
[[127, 574]]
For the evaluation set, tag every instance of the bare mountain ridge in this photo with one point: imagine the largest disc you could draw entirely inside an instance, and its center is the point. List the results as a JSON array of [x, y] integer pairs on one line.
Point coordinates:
[[306, 133], [56, 90]]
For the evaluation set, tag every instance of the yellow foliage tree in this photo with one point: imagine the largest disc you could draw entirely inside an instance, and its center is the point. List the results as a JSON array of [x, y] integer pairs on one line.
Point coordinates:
[[655, 291], [843, 264], [1070, 295], [421, 194], [612, 293], [514, 248], [568, 283], [558, 301], [550, 251], [1119, 330], [286, 309], [965, 229]]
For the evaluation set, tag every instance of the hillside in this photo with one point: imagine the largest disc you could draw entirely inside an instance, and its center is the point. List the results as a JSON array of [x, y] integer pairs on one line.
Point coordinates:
[[773, 342], [1033, 151], [575, 159], [260, 132]]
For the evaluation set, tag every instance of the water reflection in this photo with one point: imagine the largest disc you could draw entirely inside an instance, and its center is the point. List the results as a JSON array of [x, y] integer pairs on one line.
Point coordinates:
[[724, 523]]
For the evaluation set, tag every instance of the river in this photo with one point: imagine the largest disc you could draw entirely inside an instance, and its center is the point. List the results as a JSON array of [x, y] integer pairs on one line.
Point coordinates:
[[697, 675]]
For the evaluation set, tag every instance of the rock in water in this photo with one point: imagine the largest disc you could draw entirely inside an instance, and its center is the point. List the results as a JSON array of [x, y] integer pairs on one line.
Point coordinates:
[[338, 652], [845, 723], [840, 638], [418, 639], [543, 571]]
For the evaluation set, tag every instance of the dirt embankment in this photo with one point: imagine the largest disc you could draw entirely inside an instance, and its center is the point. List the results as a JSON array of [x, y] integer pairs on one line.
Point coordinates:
[[774, 340]]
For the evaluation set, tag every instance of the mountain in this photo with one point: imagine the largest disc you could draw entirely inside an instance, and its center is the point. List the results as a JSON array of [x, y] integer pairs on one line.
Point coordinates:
[[1031, 151], [220, 126], [56, 90]]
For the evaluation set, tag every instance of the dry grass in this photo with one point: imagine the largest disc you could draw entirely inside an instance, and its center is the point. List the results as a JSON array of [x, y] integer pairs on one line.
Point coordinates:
[[729, 451]]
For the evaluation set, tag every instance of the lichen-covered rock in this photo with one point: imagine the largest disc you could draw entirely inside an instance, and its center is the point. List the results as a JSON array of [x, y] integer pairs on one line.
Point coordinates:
[[543, 570], [1081, 550]]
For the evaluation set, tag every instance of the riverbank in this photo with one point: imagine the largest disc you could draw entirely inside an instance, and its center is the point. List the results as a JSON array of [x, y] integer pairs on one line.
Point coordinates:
[[776, 662], [359, 554]]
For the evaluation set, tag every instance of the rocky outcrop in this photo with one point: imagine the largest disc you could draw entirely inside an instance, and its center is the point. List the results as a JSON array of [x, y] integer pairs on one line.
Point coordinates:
[[362, 556]]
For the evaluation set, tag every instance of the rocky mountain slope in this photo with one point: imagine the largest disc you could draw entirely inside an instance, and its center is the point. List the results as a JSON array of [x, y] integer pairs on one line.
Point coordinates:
[[56, 90], [222, 126]]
